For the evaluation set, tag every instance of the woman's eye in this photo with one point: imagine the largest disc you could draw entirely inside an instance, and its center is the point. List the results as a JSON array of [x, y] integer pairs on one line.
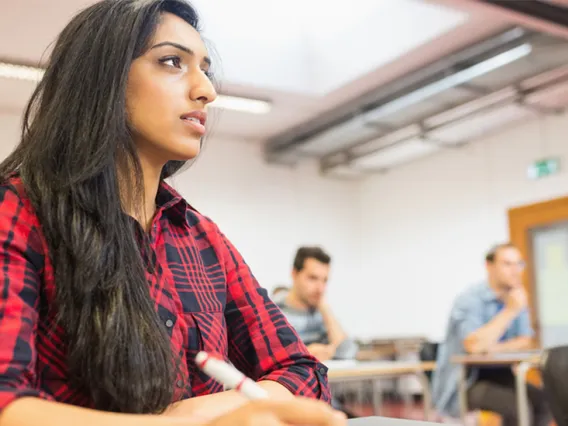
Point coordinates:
[[172, 61]]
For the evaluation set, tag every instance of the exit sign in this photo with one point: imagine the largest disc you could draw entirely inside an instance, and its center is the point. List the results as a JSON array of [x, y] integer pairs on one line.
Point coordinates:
[[542, 168]]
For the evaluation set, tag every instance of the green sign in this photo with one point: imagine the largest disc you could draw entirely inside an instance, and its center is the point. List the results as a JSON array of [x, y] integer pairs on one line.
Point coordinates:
[[542, 168]]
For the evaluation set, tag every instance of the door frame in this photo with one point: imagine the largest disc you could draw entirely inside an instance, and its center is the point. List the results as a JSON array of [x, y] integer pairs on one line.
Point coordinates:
[[521, 220]]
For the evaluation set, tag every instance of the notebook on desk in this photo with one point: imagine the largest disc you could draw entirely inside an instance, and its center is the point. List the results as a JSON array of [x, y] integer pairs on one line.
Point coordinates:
[[341, 363]]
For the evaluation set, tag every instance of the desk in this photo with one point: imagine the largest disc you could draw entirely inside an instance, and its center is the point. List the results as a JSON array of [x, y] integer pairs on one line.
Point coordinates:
[[386, 421], [346, 371], [524, 361], [393, 347]]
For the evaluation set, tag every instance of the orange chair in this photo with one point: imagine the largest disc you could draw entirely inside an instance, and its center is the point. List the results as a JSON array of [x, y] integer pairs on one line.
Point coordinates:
[[488, 418]]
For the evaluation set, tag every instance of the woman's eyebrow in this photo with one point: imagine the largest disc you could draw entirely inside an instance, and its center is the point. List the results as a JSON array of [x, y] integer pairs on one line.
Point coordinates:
[[183, 48]]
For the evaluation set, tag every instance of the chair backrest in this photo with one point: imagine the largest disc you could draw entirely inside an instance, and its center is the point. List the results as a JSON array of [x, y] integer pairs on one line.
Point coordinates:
[[429, 352], [554, 367]]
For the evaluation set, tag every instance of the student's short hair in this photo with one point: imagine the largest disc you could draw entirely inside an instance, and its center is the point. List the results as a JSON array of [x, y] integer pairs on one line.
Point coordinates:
[[310, 252], [492, 254]]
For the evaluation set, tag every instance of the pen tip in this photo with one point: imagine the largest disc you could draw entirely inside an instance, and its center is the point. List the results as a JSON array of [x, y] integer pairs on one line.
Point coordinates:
[[201, 359]]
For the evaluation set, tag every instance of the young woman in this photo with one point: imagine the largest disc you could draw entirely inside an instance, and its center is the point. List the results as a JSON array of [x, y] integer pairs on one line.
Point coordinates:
[[110, 283]]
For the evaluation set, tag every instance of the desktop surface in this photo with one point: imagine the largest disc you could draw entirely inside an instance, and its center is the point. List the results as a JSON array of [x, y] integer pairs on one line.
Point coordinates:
[[387, 421], [498, 358]]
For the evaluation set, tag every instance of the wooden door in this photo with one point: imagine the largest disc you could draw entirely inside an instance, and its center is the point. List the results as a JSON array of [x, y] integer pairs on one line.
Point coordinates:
[[524, 221]]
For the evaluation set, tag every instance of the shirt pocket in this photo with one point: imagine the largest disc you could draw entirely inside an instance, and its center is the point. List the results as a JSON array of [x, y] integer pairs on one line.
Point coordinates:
[[197, 278], [207, 331]]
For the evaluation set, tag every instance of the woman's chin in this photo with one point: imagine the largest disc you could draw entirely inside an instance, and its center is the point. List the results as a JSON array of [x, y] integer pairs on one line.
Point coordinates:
[[186, 152]]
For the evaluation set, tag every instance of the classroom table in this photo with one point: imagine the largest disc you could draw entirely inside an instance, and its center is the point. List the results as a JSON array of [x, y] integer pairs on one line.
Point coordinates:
[[387, 421], [523, 360], [349, 371]]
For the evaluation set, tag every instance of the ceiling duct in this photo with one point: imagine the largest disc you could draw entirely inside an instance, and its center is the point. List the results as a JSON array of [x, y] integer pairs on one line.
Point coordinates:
[[446, 82], [544, 93], [510, 76]]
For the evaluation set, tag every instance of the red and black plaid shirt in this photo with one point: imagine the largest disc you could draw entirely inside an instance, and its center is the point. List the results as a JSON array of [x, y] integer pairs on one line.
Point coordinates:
[[204, 293]]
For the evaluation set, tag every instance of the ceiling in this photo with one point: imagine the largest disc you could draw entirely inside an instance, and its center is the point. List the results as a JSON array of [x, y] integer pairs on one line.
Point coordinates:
[[321, 62]]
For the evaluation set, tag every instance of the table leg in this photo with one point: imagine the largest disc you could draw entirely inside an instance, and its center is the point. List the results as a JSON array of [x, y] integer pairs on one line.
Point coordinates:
[[462, 390], [426, 395], [522, 397], [377, 397], [360, 392], [407, 400]]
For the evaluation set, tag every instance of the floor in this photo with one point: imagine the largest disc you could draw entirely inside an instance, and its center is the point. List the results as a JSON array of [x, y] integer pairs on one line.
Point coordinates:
[[396, 409]]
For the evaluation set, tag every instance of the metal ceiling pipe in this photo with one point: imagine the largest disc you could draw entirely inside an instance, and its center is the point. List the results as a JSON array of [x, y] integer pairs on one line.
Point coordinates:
[[411, 82], [344, 158]]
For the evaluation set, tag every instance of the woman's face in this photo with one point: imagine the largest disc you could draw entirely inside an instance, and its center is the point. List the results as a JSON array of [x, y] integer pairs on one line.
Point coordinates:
[[167, 93]]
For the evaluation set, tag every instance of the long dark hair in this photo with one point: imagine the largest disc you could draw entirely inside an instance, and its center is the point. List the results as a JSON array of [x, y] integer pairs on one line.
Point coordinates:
[[75, 136]]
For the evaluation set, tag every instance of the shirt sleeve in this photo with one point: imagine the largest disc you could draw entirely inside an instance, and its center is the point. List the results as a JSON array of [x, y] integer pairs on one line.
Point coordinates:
[[524, 327], [466, 316], [262, 343], [19, 282]]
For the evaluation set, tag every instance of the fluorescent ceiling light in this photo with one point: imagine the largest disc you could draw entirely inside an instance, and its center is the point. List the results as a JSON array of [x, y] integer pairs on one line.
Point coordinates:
[[396, 154], [35, 74], [552, 97], [20, 72], [450, 82], [338, 136], [469, 108], [479, 124], [345, 172], [253, 106], [409, 132]]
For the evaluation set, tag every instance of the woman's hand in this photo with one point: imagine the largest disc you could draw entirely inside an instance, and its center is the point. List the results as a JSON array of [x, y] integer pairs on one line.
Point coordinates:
[[293, 412]]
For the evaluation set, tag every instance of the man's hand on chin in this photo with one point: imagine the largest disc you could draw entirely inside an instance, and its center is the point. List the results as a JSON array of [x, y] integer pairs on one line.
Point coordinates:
[[322, 306]]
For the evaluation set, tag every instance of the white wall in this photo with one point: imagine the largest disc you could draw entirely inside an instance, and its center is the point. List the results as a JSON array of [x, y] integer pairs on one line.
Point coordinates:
[[9, 133], [428, 224], [267, 212]]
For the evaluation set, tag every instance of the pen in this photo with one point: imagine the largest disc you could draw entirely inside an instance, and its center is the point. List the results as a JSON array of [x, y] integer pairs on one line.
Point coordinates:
[[229, 376]]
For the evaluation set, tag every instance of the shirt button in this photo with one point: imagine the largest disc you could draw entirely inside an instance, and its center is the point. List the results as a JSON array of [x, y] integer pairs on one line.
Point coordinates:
[[169, 323], [179, 383], [322, 370]]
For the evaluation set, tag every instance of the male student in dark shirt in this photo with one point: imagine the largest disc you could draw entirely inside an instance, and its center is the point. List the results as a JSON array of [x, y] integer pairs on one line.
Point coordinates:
[[306, 308], [307, 311]]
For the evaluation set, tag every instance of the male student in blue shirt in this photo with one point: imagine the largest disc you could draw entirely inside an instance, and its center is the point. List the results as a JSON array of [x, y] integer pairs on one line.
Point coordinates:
[[489, 317]]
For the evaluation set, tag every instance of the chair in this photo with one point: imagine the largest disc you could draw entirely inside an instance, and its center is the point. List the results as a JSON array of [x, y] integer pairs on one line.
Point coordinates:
[[428, 352], [554, 367]]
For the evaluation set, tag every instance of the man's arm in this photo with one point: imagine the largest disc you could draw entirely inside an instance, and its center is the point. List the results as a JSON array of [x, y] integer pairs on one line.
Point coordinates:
[[522, 343], [524, 333], [486, 338], [335, 333]]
